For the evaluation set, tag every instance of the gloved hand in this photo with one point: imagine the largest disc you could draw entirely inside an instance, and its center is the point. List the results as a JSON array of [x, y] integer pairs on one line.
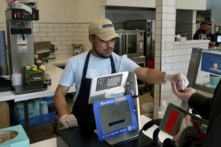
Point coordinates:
[[180, 80], [69, 120]]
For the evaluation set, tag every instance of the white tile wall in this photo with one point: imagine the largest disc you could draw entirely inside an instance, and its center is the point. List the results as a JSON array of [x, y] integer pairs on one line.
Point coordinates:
[[168, 9], [158, 24], [171, 2], [166, 67], [157, 87], [172, 45], [171, 17], [167, 53], [174, 57], [185, 58], [168, 38], [168, 24], [179, 65], [63, 35], [158, 16], [166, 94], [170, 31], [179, 51]]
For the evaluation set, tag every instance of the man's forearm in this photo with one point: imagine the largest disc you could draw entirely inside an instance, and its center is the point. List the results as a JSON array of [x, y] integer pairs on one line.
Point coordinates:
[[60, 104], [155, 76]]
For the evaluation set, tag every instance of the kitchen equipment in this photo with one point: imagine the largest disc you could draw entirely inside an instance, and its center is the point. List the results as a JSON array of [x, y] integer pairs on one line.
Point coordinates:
[[43, 50], [52, 54], [20, 39], [149, 35], [77, 49], [128, 43]]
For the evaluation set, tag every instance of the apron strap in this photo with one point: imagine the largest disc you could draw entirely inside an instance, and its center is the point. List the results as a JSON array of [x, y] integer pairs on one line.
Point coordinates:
[[113, 70], [86, 65]]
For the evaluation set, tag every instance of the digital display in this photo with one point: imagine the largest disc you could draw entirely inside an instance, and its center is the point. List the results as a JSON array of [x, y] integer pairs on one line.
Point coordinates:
[[109, 82], [219, 39], [115, 116]]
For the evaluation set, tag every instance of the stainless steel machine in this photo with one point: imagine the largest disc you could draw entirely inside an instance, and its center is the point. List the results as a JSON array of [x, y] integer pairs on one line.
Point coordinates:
[[20, 37]]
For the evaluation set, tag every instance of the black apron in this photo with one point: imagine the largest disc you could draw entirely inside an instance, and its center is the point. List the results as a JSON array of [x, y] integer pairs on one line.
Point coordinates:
[[81, 109]]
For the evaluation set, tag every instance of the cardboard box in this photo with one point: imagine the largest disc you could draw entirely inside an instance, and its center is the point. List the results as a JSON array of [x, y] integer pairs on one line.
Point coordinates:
[[18, 135]]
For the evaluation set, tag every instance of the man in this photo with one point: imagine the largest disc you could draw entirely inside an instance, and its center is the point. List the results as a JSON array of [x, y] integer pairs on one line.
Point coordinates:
[[211, 37], [207, 108], [100, 60], [203, 28]]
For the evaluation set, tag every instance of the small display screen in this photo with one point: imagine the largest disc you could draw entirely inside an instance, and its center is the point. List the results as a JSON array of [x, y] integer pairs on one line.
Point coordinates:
[[109, 82], [115, 116], [219, 39]]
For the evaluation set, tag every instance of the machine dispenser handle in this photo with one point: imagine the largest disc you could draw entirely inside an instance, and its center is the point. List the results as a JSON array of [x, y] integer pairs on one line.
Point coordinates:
[[20, 30], [23, 36]]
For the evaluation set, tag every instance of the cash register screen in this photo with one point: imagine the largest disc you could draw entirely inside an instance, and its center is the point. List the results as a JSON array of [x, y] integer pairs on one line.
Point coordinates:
[[114, 116]]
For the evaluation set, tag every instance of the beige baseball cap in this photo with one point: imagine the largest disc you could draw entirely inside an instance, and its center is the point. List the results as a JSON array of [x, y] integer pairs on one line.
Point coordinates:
[[103, 28]]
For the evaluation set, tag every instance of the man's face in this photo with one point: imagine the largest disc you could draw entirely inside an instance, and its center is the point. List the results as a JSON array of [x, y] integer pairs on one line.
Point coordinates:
[[101, 48], [208, 30], [205, 27]]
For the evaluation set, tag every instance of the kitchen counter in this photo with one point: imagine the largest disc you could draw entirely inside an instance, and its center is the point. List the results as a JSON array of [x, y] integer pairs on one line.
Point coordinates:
[[54, 73]]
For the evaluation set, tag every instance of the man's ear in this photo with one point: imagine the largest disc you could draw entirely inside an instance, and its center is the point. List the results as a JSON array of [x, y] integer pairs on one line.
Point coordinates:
[[91, 39]]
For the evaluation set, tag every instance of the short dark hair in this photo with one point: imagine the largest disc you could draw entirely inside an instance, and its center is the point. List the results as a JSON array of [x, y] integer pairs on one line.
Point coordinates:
[[204, 23]]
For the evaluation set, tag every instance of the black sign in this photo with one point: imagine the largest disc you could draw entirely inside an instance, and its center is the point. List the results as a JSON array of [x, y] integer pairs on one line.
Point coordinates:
[[109, 82]]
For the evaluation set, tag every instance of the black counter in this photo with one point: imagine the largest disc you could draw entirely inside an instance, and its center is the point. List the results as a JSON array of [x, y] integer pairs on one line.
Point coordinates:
[[74, 137]]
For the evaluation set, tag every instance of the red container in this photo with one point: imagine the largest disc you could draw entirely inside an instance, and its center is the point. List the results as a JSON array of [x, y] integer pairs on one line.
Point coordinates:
[[150, 64]]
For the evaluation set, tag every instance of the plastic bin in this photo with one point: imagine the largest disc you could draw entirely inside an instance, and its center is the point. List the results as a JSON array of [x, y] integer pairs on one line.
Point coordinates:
[[48, 117], [37, 119], [49, 100], [32, 121]]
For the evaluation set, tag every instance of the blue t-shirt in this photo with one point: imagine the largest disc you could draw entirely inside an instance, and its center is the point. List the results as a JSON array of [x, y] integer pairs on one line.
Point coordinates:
[[96, 67]]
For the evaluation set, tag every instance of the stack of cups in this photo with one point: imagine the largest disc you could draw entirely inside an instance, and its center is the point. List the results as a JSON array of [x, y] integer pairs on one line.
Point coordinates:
[[16, 79], [3, 54]]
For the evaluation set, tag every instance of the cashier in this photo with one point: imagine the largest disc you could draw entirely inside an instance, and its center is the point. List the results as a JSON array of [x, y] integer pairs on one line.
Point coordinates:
[[211, 37], [100, 60], [202, 30]]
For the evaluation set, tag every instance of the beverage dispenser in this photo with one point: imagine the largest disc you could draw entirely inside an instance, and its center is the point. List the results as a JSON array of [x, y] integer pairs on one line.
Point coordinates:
[[19, 18]]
